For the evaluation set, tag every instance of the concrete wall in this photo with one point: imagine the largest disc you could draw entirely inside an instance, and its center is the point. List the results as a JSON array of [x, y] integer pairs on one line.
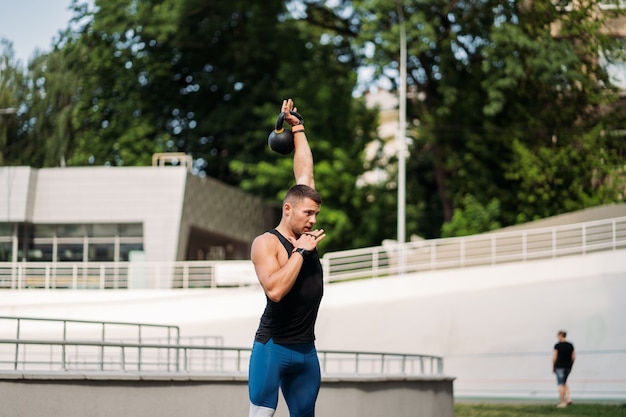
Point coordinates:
[[182, 396], [225, 210], [495, 326], [17, 186], [152, 196]]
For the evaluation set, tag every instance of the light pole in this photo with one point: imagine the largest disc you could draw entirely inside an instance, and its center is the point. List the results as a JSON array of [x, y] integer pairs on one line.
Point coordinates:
[[401, 139], [401, 143]]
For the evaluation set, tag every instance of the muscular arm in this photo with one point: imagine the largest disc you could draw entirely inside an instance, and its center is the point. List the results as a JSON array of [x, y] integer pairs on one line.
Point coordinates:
[[303, 157], [303, 161], [276, 279]]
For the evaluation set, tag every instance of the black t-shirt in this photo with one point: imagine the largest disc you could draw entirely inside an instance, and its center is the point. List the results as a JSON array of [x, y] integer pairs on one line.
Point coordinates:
[[292, 319], [563, 355]]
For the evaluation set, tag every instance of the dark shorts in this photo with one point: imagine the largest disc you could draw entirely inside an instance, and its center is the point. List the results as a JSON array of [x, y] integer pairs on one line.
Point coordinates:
[[561, 375]]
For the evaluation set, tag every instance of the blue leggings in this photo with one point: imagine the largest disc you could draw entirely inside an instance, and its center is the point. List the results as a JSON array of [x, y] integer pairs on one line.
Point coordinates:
[[295, 368]]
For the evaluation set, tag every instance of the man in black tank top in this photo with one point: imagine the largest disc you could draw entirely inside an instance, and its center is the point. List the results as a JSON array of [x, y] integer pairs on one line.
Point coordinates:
[[288, 267]]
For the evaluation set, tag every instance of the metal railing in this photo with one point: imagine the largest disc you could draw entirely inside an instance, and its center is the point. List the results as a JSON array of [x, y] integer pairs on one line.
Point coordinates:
[[64, 330], [478, 250], [60, 345], [428, 255], [126, 275], [104, 331], [98, 356]]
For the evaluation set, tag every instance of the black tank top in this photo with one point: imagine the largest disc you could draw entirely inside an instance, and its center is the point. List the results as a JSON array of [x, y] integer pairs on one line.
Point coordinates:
[[292, 319]]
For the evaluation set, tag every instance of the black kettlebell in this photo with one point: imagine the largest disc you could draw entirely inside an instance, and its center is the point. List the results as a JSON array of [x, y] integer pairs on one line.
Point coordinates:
[[281, 140]]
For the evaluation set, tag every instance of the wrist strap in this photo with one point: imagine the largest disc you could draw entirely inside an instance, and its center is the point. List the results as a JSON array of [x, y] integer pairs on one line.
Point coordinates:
[[294, 131]]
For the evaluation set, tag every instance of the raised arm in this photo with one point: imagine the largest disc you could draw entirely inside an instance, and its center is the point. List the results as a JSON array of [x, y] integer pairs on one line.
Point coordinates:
[[303, 157]]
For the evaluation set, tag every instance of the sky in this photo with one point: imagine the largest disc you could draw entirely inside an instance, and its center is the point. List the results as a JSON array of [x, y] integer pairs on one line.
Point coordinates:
[[32, 24]]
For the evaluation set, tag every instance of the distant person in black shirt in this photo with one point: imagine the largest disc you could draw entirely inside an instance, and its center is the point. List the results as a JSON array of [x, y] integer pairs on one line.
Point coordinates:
[[563, 358]]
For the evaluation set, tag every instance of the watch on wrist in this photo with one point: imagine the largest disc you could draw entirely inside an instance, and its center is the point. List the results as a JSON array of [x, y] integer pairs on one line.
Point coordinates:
[[302, 251]]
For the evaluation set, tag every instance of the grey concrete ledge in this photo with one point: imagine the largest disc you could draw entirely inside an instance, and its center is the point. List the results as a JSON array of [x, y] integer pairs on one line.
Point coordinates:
[[184, 376], [164, 394], [385, 378]]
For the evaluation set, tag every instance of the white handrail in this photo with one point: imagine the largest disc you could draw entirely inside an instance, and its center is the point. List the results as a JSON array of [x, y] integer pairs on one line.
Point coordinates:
[[373, 262], [478, 250]]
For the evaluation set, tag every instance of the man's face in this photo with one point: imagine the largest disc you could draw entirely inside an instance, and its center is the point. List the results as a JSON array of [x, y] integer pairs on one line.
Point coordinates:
[[303, 215]]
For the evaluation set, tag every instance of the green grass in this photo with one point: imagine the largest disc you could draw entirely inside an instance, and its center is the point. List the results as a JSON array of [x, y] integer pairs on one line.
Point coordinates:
[[543, 410]]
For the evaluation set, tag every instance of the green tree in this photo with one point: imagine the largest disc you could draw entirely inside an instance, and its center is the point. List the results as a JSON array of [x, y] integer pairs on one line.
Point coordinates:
[[12, 95], [484, 76], [472, 218], [321, 75], [499, 108], [207, 78], [191, 76], [49, 111], [554, 179], [122, 62], [564, 155]]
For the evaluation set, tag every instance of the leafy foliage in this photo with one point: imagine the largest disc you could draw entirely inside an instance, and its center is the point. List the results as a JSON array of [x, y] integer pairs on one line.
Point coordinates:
[[207, 79], [161, 76], [511, 115], [491, 85], [13, 90], [473, 218]]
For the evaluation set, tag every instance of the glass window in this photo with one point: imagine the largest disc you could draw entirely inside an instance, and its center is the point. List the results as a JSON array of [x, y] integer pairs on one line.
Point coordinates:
[[67, 252], [6, 229], [216, 253], [6, 251], [43, 230], [126, 248], [70, 230], [39, 252], [101, 252], [73, 242], [131, 230], [102, 230]]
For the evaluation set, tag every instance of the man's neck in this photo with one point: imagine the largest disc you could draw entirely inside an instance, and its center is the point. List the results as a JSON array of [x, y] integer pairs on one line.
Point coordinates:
[[285, 231]]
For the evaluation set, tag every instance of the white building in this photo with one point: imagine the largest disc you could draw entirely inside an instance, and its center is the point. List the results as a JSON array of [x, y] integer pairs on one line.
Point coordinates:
[[117, 214]]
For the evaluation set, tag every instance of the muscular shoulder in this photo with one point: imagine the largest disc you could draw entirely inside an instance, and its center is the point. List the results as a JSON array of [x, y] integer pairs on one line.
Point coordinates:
[[266, 245], [264, 242]]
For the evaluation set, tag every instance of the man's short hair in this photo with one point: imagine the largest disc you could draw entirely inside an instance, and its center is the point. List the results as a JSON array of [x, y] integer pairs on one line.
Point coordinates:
[[562, 333], [299, 192]]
